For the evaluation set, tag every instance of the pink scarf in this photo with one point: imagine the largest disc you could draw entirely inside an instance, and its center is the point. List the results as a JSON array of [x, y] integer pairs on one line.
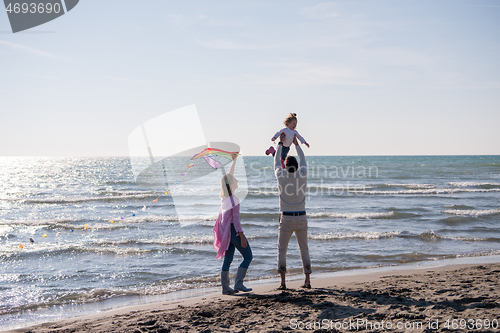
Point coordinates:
[[222, 227]]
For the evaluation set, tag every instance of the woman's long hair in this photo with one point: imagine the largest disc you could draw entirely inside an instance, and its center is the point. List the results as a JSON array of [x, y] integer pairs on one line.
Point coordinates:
[[226, 185]]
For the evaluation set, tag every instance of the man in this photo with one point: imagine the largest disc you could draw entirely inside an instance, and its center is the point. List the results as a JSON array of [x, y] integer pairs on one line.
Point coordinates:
[[292, 186]]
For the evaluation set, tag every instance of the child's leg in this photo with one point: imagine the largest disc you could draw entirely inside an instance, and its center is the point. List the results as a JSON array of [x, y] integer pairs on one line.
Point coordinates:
[[284, 152]]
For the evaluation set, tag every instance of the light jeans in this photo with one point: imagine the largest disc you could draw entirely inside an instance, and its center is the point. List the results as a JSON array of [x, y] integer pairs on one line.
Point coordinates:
[[289, 225]]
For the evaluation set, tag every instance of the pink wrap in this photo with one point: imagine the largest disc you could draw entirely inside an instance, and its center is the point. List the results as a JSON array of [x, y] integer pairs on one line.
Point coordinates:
[[229, 214]]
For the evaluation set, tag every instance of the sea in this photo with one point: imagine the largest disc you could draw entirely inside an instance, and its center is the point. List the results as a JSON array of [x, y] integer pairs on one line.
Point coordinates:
[[76, 233]]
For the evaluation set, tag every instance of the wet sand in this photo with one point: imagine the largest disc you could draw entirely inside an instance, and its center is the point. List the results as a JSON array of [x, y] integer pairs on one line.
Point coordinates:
[[448, 298]]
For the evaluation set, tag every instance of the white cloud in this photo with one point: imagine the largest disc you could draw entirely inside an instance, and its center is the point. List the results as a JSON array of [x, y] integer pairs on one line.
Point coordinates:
[[124, 79], [205, 20], [322, 11], [226, 44], [29, 49], [310, 74], [184, 20], [38, 76]]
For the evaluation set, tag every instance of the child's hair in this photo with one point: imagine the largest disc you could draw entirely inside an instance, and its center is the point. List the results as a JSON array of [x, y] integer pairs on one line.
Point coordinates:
[[226, 185], [291, 164], [289, 118]]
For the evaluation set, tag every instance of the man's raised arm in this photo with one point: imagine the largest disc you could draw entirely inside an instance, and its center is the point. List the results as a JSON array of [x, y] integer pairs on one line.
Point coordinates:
[[302, 159], [277, 160]]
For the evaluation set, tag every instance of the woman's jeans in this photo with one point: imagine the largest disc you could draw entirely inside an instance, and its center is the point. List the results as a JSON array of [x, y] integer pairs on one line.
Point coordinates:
[[246, 252]]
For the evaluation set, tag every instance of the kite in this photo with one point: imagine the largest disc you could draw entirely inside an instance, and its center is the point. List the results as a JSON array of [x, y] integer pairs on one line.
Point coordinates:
[[210, 154], [215, 151], [213, 163]]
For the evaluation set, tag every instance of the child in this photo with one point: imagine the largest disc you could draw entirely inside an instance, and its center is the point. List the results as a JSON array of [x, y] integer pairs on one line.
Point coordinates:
[[228, 234], [289, 132]]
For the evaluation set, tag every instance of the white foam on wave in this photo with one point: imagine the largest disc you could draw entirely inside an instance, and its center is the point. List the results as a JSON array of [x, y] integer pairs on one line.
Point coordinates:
[[467, 184], [430, 234], [172, 240], [312, 187], [480, 254], [472, 212], [43, 222], [357, 235], [353, 216], [55, 200], [418, 186], [197, 218], [430, 191]]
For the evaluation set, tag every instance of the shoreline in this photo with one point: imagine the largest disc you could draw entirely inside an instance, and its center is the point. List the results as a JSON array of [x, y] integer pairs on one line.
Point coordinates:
[[196, 298]]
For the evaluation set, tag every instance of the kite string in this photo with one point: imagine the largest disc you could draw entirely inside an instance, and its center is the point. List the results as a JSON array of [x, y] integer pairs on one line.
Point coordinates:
[[169, 189]]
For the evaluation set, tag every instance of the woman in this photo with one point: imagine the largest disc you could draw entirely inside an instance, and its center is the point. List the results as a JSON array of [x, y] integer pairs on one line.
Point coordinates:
[[228, 234]]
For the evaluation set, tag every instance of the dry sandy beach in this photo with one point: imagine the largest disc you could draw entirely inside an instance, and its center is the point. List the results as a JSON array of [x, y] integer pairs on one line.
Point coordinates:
[[439, 299]]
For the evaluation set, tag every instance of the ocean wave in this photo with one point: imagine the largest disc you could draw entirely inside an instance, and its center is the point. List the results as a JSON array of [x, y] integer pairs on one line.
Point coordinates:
[[428, 235], [431, 235], [264, 193], [121, 248], [108, 192], [459, 207], [349, 187], [100, 294], [118, 221], [81, 297], [8, 236], [204, 239], [356, 235], [472, 212], [53, 222], [410, 186], [405, 257], [270, 216], [109, 198], [429, 191], [480, 254], [364, 216], [353, 216], [474, 184]]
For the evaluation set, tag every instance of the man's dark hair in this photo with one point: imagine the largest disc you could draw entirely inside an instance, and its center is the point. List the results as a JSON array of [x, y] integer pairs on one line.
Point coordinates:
[[291, 164]]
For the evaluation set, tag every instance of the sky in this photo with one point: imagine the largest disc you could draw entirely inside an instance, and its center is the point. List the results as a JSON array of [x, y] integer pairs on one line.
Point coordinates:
[[364, 77]]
